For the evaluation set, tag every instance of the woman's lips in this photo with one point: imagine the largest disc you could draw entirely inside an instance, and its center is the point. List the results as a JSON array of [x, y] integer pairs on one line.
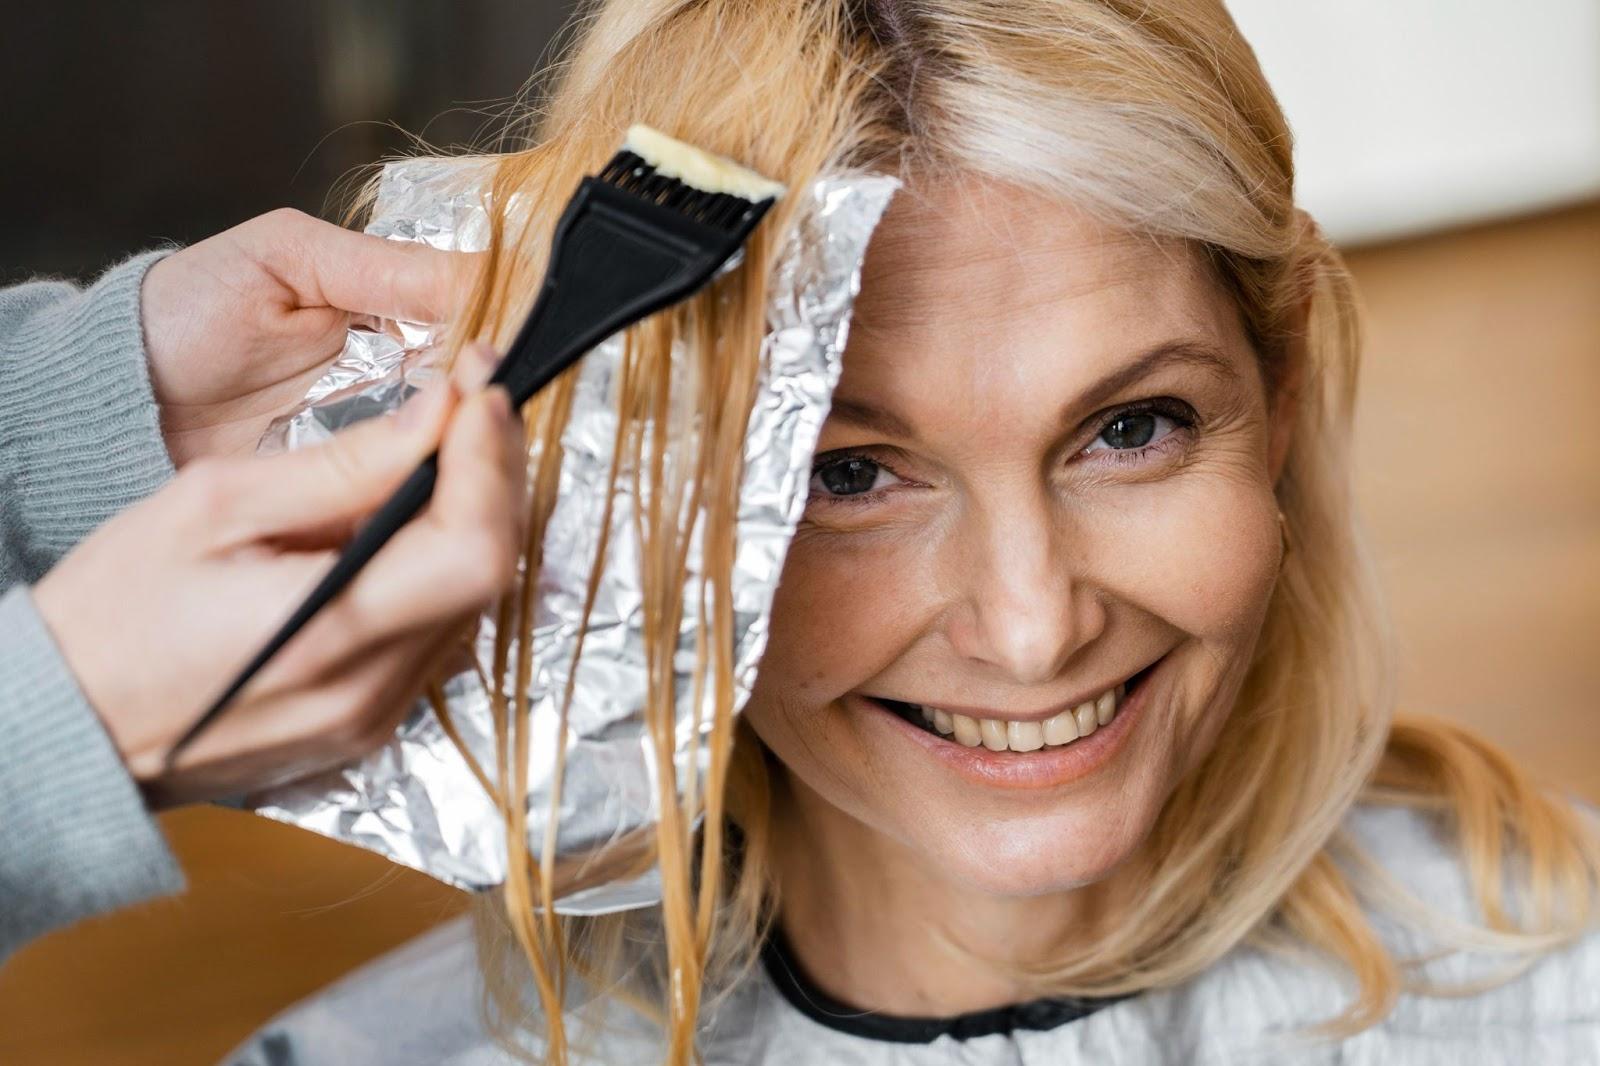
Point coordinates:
[[1004, 760]]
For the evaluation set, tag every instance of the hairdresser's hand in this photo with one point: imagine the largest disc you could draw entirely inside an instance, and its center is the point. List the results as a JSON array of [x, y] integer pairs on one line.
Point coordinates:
[[238, 326], [156, 610]]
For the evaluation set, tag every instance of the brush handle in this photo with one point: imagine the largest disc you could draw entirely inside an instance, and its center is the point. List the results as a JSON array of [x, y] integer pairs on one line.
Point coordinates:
[[399, 509], [621, 259]]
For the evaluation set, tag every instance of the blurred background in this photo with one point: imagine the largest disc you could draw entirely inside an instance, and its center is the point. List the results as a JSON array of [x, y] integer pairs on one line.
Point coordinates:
[[1451, 146]]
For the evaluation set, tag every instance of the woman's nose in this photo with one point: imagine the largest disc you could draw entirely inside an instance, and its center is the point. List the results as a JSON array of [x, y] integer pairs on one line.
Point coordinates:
[[1024, 608]]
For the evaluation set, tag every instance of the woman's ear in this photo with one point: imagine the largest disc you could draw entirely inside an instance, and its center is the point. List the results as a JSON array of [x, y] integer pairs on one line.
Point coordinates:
[[1288, 382]]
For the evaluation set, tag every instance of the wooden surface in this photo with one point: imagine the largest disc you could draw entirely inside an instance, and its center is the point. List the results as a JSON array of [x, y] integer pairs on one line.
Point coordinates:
[[272, 914], [1480, 476]]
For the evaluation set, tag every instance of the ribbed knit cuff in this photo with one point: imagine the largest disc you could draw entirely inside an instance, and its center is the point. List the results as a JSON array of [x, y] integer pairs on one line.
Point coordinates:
[[75, 838], [78, 422]]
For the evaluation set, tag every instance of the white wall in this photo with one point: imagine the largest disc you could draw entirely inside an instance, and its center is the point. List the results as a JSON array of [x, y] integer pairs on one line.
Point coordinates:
[[1415, 114]]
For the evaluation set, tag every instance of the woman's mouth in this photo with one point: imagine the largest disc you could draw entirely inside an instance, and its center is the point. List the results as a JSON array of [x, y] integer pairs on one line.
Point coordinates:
[[1019, 750], [1022, 735]]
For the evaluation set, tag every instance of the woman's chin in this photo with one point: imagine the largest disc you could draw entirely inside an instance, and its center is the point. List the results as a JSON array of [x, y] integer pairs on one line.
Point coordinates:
[[1027, 856]]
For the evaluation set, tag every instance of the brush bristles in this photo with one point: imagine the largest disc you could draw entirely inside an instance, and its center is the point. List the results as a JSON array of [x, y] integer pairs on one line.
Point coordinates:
[[702, 186], [631, 173], [694, 166]]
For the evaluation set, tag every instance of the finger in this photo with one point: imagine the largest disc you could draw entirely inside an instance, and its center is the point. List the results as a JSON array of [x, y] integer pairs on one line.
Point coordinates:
[[433, 655], [456, 559], [474, 366], [482, 467], [362, 700], [311, 721], [462, 554], [329, 266], [328, 485]]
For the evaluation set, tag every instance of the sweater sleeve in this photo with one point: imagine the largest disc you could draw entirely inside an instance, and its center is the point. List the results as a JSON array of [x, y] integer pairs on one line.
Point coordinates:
[[80, 436], [75, 838], [79, 440]]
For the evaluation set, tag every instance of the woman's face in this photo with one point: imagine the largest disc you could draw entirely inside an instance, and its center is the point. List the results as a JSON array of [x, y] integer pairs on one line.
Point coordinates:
[[1041, 515]]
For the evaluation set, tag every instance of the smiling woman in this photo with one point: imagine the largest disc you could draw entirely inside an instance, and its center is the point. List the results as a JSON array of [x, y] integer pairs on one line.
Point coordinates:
[[1075, 702], [1043, 505]]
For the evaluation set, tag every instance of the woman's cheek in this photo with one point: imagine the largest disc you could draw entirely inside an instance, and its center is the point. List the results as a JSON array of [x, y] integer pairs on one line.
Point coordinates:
[[1203, 557], [1208, 570], [834, 621]]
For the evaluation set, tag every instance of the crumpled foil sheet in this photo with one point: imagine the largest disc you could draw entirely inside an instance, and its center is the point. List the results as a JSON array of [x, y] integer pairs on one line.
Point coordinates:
[[415, 800]]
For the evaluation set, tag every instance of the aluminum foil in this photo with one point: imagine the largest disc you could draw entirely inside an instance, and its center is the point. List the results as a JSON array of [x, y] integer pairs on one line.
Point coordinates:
[[415, 800]]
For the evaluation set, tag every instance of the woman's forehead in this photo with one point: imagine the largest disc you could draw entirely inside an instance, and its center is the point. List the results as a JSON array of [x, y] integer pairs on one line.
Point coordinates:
[[968, 281], [976, 256]]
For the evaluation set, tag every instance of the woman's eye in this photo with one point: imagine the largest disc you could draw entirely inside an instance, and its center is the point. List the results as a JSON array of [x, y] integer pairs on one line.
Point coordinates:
[[853, 476], [1132, 429]]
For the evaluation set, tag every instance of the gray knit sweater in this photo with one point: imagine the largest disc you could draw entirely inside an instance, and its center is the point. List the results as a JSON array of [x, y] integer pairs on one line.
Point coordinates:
[[79, 440]]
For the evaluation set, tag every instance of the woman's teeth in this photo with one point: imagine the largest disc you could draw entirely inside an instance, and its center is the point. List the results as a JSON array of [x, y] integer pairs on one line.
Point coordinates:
[[1001, 734]]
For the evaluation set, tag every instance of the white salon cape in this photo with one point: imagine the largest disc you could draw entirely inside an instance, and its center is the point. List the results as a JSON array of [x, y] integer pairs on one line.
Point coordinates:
[[421, 1005]]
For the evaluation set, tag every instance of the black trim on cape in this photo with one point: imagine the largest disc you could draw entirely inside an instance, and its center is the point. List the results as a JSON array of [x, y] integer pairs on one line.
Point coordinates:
[[804, 996]]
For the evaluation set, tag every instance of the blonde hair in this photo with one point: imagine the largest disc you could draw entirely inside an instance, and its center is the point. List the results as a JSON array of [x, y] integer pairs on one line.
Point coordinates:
[[1155, 117]]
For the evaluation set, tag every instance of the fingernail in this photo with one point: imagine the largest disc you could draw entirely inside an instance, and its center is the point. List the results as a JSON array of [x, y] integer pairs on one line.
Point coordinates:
[[416, 411], [499, 401], [484, 361]]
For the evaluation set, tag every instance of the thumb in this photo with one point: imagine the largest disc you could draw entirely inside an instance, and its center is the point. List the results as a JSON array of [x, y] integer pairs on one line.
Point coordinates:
[[329, 266], [347, 476]]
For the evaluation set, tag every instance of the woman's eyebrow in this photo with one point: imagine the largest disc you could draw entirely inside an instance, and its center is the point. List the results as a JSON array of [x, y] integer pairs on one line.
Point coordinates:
[[1183, 352], [1199, 354], [865, 416]]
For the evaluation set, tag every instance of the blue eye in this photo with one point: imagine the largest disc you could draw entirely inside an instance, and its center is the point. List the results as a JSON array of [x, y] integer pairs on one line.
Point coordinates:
[[850, 476], [1130, 430]]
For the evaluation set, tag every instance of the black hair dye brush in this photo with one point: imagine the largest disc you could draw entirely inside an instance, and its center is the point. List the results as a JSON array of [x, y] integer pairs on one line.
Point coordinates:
[[652, 228]]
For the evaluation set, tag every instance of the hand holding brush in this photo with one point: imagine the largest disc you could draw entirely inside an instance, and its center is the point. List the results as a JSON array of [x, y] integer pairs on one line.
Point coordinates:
[[233, 542]]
